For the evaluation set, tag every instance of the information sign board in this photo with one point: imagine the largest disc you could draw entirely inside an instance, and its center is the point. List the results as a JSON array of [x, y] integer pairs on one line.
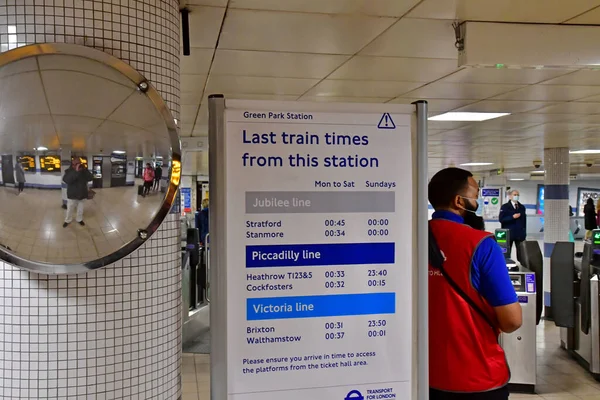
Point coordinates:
[[491, 203], [186, 199], [319, 211]]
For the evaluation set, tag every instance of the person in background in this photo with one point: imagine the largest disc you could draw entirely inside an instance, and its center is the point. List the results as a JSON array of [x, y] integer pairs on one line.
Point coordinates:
[[204, 221], [157, 177], [598, 213], [19, 177], [76, 177], [148, 176], [466, 361], [590, 221], [513, 217]]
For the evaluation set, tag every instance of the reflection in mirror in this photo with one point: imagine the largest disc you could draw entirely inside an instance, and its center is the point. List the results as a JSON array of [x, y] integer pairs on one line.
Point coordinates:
[[86, 158]]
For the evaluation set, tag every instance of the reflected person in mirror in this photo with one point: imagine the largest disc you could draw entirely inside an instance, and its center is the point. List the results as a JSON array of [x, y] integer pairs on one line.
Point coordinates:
[[157, 177], [148, 179], [76, 177], [19, 177]]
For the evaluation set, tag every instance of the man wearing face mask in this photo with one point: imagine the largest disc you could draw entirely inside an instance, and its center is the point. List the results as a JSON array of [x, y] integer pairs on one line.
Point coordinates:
[[513, 217], [471, 298]]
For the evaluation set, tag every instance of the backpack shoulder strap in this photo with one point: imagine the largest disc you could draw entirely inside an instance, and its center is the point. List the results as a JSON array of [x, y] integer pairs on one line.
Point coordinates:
[[436, 260]]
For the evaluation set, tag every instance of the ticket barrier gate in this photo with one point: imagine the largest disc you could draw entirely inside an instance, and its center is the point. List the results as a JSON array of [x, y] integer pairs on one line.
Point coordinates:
[[194, 288], [575, 301], [520, 346]]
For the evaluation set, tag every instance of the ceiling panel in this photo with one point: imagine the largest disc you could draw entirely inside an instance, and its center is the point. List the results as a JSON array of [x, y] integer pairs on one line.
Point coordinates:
[[344, 88], [572, 128], [447, 125], [258, 85], [202, 121], [303, 33], [358, 51], [345, 99], [24, 65], [540, 118], [205, 24], [582, 77], [138, 110], [81, 126], [441, 90], [213, 3], [505, 106], [198, 62], [412, 37], [23, 94], [504, 75], [382, 8], [591, 17], [67, 99], [193, 83], [435, 9], [275, 64], [79, 64], [591, 99], [571, 108], [395, 69], [500, 124], [550, 93], [242, 96], [541, 11], [191, 98], [188, 113], [185, 130], [589, 119], [436, 105]]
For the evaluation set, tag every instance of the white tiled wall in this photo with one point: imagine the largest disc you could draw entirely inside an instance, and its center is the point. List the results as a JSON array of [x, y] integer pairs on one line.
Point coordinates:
[[113, 333]]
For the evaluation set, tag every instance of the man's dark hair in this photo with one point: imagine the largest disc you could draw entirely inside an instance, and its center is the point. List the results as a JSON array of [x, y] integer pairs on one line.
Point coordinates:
[[446, 184]]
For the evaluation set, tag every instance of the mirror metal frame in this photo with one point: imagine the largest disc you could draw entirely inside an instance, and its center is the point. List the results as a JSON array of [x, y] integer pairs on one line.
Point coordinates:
[[138, 79]]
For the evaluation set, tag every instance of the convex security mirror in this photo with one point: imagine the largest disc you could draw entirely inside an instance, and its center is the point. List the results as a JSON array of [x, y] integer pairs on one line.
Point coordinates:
[[90, 158]]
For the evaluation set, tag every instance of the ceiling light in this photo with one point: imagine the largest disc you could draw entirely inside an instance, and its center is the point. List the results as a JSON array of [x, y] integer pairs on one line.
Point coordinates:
[[517, 179], [119, 152], [467, 116], [175, 121], [589, 151], [476, 164], [41, 148], [539, 172]]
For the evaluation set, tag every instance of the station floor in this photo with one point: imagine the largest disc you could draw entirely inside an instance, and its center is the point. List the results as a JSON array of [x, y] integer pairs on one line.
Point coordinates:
[[31, 223], [559, 377]]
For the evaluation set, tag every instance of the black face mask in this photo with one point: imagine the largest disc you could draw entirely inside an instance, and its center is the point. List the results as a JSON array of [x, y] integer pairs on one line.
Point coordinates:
[[471, 219]]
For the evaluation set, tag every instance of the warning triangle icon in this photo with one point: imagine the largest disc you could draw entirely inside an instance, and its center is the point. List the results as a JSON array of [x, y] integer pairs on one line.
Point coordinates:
[[386, 122]]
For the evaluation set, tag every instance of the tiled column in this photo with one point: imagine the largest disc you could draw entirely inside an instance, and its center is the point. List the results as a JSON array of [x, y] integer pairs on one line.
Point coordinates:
[[556, 206], [114, 333]]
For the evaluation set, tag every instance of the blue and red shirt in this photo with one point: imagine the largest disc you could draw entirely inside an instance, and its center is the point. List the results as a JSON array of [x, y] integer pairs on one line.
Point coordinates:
[[464, 354], [488, 270]]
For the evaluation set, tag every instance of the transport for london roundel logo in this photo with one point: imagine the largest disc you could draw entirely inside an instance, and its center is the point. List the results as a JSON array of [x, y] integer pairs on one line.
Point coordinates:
[[354, 395]]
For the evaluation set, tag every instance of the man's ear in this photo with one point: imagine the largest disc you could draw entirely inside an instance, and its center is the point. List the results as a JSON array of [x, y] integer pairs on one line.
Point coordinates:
[[456, 204]]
